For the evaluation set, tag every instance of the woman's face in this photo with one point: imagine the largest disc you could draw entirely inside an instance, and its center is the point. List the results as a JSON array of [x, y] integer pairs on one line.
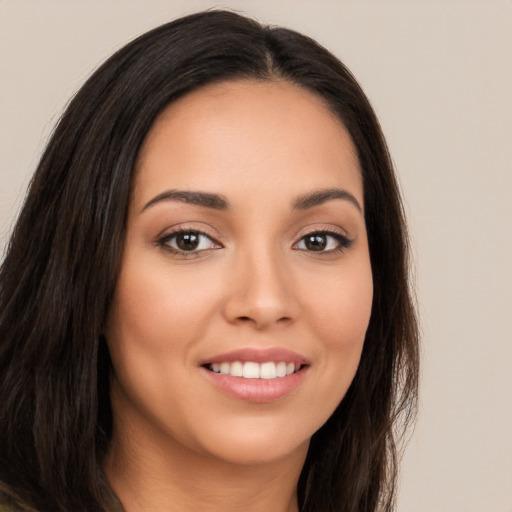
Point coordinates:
[[246, 255]]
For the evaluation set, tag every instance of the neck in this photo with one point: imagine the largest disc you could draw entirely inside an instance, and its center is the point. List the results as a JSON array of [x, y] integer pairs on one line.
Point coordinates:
[[153, 473]]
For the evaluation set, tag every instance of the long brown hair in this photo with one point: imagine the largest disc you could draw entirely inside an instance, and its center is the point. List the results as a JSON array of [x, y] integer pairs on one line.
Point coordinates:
[[61, 266]]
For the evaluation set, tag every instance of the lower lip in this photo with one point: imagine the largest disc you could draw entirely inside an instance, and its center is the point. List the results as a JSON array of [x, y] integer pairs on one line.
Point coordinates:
[[256, 390]]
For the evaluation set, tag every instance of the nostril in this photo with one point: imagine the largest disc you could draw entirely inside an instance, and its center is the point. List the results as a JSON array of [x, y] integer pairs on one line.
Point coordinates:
[[261, 323]]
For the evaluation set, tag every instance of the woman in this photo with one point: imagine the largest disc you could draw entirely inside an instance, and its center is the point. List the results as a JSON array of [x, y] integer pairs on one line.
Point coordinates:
[[205, 302]]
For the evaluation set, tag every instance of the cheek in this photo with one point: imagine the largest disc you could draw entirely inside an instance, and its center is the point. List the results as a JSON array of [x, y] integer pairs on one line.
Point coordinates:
[[152, 324], [158, 310], [340, 317], [342, 307]]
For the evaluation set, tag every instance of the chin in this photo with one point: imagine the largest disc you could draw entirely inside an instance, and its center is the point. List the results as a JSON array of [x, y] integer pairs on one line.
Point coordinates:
[[259, 444], [243, 453]]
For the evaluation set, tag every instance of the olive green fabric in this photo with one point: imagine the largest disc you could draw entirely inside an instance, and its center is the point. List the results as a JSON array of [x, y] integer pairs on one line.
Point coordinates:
[[8, 503]]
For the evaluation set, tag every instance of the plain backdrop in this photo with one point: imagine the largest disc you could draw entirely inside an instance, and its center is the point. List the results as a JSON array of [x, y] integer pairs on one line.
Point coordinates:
[[440, 77]]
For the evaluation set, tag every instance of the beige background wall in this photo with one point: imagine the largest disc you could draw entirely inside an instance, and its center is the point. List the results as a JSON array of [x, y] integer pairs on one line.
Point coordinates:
[[439, 74]]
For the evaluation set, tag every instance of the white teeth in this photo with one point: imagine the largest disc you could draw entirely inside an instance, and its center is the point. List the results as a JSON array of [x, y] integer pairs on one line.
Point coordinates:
[[281, 369], [236, 369], [268, 371], [252, 370]]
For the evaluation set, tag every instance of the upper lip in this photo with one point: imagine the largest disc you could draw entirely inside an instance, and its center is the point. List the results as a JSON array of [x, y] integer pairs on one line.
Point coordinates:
[[257, 355]]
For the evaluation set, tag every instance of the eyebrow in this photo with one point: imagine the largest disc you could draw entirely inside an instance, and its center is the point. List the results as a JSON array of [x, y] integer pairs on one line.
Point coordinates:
[[206, 199], [219, 202], [318, 197]]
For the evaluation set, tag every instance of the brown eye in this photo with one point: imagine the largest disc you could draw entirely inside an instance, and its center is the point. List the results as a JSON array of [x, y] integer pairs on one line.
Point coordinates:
[[323, 242], [188, 241], [316, 242]]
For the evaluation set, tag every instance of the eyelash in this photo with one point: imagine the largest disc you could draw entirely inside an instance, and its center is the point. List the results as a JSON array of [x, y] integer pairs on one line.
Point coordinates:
[[163, 242], [343, 242]]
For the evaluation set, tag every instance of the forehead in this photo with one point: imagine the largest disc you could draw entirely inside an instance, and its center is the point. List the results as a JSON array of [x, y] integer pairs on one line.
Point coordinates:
[[232, 132]]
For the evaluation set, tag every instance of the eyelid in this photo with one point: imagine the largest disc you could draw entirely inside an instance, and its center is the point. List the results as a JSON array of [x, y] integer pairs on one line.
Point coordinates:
[[190, 226], [345, 242], [330, 229], [163, 239]]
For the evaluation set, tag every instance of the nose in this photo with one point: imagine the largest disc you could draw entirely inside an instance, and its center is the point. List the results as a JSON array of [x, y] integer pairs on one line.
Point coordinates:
[[261, 291]]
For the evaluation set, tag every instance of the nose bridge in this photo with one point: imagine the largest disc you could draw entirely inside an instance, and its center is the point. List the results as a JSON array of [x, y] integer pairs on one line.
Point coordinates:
[[262, 286]]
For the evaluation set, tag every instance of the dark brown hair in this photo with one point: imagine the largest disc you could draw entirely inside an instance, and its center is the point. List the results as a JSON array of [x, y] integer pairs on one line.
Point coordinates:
[[61, 266]]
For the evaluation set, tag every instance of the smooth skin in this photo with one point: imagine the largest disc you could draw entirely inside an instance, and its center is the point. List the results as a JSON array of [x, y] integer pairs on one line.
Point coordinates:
[[272, 261]]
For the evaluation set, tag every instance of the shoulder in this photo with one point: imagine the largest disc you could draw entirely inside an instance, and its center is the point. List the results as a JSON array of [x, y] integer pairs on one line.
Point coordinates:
[[9, 503]]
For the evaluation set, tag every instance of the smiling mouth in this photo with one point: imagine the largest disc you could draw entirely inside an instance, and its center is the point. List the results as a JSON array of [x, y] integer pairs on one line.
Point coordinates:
[[253, 370]]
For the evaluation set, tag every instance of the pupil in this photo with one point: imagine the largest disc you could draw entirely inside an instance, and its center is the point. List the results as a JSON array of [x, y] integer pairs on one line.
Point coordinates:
[[316, 242], [188, 241]]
